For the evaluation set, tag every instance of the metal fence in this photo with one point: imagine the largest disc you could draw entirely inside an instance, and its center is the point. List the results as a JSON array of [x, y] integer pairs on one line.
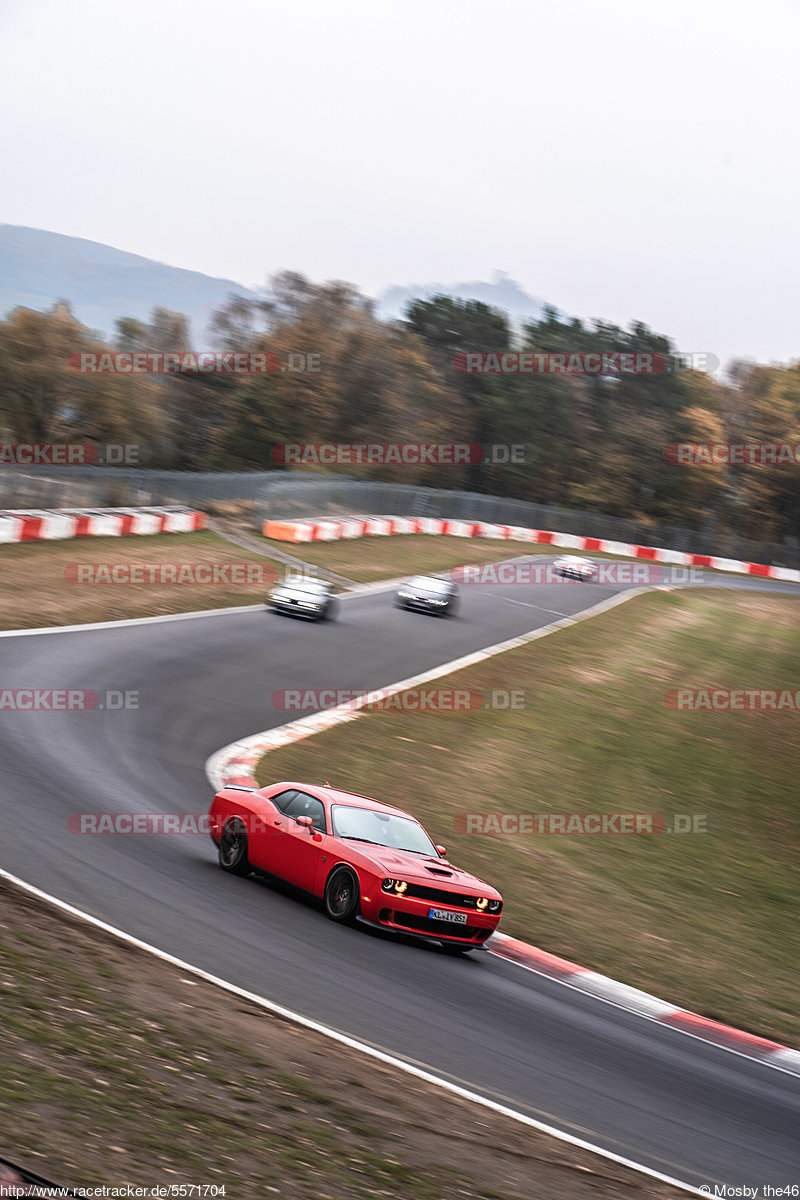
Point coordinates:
[[293, 495], [99, 487], [295, 498]]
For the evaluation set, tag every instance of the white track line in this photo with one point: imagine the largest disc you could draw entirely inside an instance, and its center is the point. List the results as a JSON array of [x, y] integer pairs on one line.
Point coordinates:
[[785, 1060], [342, 1038]]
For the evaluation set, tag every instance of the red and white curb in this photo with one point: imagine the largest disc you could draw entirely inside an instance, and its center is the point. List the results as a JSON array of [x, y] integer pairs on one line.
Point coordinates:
[[730, 1038], [356, 527], [236, 764], [40, 524]]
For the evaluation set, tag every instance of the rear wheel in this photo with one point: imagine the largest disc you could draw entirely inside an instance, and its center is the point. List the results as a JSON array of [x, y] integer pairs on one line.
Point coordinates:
[[233, 848], [342, 896]]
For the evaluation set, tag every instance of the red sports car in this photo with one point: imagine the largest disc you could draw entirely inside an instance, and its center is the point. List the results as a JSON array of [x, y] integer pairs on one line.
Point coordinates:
[[364, 860]]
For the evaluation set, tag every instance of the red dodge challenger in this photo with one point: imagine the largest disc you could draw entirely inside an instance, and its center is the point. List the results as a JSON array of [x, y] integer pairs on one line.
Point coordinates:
[[364, 860]]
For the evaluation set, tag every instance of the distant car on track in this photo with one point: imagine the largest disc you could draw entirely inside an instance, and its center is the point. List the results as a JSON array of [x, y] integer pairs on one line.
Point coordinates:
[[571, 566], [365, 860], [429, 593], [304, 596]]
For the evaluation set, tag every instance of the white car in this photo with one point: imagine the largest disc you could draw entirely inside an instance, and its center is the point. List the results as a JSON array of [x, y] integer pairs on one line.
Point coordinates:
[[571, 566], [303, 596]]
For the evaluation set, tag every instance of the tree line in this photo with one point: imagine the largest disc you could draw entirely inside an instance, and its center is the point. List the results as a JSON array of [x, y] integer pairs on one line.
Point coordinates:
[[595, 442]]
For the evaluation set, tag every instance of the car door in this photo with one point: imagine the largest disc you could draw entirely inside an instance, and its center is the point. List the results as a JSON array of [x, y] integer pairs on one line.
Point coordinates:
[[266, 849], [302, 847]]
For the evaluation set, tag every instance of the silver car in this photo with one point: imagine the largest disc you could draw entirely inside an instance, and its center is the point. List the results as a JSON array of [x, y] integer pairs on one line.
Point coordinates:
[[303, 596], [572, 566]]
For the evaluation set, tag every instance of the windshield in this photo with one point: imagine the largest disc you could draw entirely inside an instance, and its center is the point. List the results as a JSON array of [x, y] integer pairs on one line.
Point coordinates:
[[381, 829], [433, 585], [304, 585]]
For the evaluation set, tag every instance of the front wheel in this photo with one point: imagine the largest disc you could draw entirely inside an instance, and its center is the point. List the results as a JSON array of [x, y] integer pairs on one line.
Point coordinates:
[[342, 896], [233, 848]]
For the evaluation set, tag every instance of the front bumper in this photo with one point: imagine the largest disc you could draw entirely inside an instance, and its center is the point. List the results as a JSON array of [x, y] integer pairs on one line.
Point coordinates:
[[409, 914], [296, 610], [424, 606]]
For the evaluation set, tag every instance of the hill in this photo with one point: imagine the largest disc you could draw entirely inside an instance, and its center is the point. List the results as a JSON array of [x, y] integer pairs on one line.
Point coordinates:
[[101, 283]]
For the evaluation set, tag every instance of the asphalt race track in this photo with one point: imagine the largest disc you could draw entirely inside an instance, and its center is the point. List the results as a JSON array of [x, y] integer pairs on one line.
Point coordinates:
[[673, 1103]]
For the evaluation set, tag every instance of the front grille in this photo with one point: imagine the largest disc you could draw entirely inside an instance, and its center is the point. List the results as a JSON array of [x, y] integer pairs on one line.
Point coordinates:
[[434, 927], [455, 899]]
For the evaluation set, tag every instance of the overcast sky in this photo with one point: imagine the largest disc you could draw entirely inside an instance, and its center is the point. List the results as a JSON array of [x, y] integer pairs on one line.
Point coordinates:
[[619, 158]]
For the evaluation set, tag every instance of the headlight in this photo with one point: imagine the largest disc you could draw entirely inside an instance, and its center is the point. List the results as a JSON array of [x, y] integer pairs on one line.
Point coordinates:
[[399, 886], [495, 905], [387, 885], [481, 903]]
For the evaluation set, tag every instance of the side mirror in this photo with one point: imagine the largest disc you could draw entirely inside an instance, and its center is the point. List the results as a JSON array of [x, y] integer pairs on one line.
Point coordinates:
[[441, 851], [306, 822]]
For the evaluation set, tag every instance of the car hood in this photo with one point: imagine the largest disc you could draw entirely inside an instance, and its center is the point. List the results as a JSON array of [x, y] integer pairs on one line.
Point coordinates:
[[415, 867], [314, 594], [423, 593]]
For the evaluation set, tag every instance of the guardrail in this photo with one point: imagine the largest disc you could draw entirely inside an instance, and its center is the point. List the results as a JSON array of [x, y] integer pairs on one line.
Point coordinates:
[[294, 495], [356, 527], [297, 497], [37, 524]]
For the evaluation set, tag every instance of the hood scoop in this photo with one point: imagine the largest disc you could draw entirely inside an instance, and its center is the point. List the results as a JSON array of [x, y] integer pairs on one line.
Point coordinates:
[[436, 871]]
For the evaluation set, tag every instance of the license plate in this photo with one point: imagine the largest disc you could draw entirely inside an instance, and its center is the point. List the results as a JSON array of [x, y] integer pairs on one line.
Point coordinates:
[[444, 914]]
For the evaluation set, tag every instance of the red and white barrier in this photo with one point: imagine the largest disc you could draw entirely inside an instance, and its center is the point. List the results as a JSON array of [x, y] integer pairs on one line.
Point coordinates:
[[38, 524], [10, 528], [327, 531]]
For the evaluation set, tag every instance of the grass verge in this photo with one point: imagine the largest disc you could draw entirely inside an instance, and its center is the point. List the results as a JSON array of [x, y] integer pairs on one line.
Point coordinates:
[[368, 560], [119, 1069], [37, 588], [706, 920]]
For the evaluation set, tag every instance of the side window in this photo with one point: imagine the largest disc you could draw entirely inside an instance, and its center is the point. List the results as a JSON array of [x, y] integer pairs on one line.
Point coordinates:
[[284, 799], [308, 806]]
